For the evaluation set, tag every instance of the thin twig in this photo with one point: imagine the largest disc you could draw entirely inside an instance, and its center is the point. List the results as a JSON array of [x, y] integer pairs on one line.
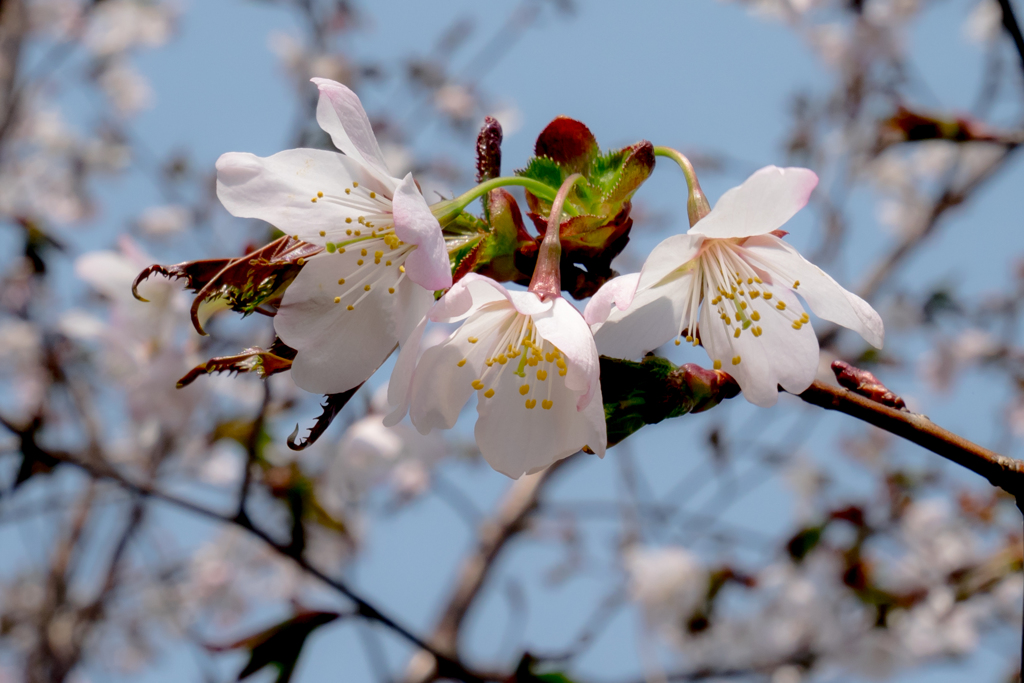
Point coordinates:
[[1006, 473], [1013, 28]]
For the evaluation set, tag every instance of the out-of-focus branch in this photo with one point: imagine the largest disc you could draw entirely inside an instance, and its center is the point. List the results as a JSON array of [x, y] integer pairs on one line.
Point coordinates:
[[495, 534], [1013, 28], [448, 666], [1006, 473]]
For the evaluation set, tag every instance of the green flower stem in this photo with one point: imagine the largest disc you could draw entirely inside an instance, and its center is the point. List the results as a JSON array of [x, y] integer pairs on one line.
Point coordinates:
[[696, 203], [453, 207]]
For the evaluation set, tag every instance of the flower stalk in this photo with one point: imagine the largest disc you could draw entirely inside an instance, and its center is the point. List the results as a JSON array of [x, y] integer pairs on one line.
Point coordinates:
[[547, 276], [697, 205]]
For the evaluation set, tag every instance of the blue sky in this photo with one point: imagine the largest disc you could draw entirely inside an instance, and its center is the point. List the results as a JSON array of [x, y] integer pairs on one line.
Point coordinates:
[[696, 74]]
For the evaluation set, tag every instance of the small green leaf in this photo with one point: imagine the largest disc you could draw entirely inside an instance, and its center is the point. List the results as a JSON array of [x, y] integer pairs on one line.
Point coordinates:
[[280, 645]]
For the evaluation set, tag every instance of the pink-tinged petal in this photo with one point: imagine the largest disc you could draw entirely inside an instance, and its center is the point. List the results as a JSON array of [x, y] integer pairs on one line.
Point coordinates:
[[654, 317], [617, 292], [516, 440], [824, 295], [764, 202], [529, 303], [340, 113], [669, 256], [564, 327], [338, 348], [278, 189], [440, 386], [402, 375], [466, 296], [753, 371], [427, 266]]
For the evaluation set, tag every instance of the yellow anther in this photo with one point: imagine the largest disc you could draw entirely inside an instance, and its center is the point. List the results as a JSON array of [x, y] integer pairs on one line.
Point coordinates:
[[767, 295], [301, 261], [351, 307], [472, 340], [391, 290], [781, 305], [401, 269], [689, 338], [478, 384], [750, 280], [561, 373], [754, 294], [736, 360], [755, 316], [373, 195], [378, 254], [758, 281], [531, 403], [341, 250], [354, 184], [461, 362], [323, 233], [560, 363], [717, 365], [678, 342], [362, 252], [796, 284], [348, 190], [319, 194], [366, 288], [797, 324], [743, 305], [489, 393], [533, 362], [361, 219], [490, 362], [524, 390], [546, 404], [502, 359], [357, 233], [549, 357], [359, 262], [348, 220], [341, 281], [805, 318], [387, 263], [313, 200], [756, 331], [337, 299], [737, 333], [542, 375]]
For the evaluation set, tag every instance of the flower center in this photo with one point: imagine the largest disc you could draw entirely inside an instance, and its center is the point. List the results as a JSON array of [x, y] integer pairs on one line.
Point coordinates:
[[528, 359], [373, 214], [380, 263], [729, 282]]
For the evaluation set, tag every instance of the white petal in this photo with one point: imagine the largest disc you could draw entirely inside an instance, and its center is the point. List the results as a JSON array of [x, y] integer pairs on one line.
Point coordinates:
[[764, 202], [670, 255], [824, 295], [515, 440], [402, 375], [617, 292], [428, 266], [793, 354], [564, 327], [655, 316], [278, 189], [338, 348], [753, 372], [466, 296], [340, 113], [440, 387], [529, 303]]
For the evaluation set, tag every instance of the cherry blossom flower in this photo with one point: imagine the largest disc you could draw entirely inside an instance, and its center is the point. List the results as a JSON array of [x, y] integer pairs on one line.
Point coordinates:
[[730, 284], [384, 252], [530, 358]]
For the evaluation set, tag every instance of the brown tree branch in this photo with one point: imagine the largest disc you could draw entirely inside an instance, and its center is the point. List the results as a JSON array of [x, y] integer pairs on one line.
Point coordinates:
[[495, 534], [1006, 473], [1013, 28]]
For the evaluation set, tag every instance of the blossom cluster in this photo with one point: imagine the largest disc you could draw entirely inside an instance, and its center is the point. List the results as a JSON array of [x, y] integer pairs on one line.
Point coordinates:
[[377, 260]]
